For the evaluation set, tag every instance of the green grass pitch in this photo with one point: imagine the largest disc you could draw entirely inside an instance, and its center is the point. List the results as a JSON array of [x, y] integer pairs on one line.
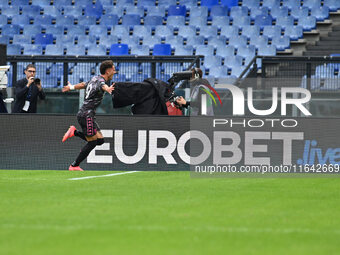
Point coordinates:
[[42, 212]]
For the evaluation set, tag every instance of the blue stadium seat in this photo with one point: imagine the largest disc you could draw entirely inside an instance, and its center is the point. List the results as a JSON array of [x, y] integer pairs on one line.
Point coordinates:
[[220, 71], [282, 11], [232, 61], [75, 30], [41, 3], [184, 50], [119, 49], [87, 20], [229, 3], [19, 2], [52, 10], [251, 3], [98, 30], [116, 10], [22, 39], [291, 3], [8, 29], [167, 2], [93, 10], [146, 3], [31, 10], [43, 39], [258, 11], [259, 41], [225, 51], [294, 32], [75, 50], [272, 31], [62, 3], [311, 3], [251, 31], [66, 40], [237, 70], [13, 49], [131, 9], [177, 10], [238, 41], [230, 31], [197, 21], [120, 31], [30, 49], [298, 12], [164, 31], [217, 41], [162, 50], [43, 19], [11, 10], [205, 50], [263, 20], [188, 3], [208, 31], [155, 10], [151, 40], [140, 50], [209, 3], [54, 50], [130, 40], [63, 20], [175, 21], [268, 50], [248, 51], [153, 20], [242, 21], [320, 13], [218, 10], [106, 2], [212, 62], [281, 43], [238, 11], [285, 21], [54, 29], [109, 20], [86, 40], [3, 20], [195, 40], [83, 2], [131, 20], [125, 2], [187, 31], [4, 39], [271, 4], [174, 40], [333, 5], [20, 19], [199, 11], [108, 40], [73, 10], [308, 23], [141, 31], [220, 21], [97, 50]]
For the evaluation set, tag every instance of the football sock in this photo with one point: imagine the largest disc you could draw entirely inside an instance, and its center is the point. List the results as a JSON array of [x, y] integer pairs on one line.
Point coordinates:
[[80, 134], [85, 151]]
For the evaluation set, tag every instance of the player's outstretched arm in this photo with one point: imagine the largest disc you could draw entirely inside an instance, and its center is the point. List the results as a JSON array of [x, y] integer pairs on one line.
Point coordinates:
[[109, 89], [73, 87]]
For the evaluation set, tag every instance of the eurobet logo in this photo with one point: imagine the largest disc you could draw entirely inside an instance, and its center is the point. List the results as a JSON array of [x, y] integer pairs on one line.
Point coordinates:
[[302, 96], [204, 102]]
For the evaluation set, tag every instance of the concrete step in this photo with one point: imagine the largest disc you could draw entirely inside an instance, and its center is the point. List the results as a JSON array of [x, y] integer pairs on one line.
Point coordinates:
[[326, 38], [330, 43], [319, 53], [324, 47]]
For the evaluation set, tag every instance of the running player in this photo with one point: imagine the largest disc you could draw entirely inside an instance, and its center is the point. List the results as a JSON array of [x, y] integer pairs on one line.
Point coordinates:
[[95, 89]]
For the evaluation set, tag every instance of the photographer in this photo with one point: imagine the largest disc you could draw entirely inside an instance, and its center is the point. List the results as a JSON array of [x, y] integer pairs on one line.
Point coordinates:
[[27, 91]]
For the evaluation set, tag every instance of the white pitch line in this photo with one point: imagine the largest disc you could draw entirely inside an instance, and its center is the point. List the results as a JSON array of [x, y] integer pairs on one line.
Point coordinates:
[[98, 176]]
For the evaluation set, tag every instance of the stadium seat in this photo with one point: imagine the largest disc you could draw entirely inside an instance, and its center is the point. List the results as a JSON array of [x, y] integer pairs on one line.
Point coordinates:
[[54, 50], [73, 10], [283, 22], [30, 49], [8, 29], [311, 3], [65, 40], [130, 40], [20, 19], [242, 21], [3, 20], [43, 39], [54, 29], [167, 2], [63, 20], [75, 50], [259, 41], [238, 41], [177, 10], [31, 10], [212, 61], [198, 11], [175, 21], [20, 2], [333, 5], [5, 39], [87, 20], [188, 3], [220, 21], [146, 3], [184, 50], [84, 2], [271, 4], [218, 10], [307, 23], [237, 70], [11, 10], [86, 40], [195, 40], [320, 13], [281, 43], [294, 32], [153, 20], [208, 31], [251, 3], [250, 31], [140, 50], [268, 50], [209, 3], [187, 31], [155, 10], [248, 51], [98, 30], [217, 41], [108, 40], [22, 39], [41, 3], [299, 12], [238, 11], [205, 50], [197, 21], [141, 31], [97, 50], [229, 3], [76, 30], [120, 31], [220, 71], [62, 3], [119, 49], [263, 20], [272, 31], [230, 31], [114, 10], [131, 9], [109, 20], [51, 10], [174, 40], [93, 10], [43, 19], [151, 40], [258, 11], [131, 20], [13, 49], [232, 61], [291, 3], [225, 51], [282, 11], [126, 2], [163, 31], [162, 50]]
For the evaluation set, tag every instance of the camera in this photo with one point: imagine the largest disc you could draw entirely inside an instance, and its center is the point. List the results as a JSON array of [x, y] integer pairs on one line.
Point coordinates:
[[36, 81]]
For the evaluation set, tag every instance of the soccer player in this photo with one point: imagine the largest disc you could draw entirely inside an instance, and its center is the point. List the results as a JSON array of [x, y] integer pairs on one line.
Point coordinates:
[[94, 94]]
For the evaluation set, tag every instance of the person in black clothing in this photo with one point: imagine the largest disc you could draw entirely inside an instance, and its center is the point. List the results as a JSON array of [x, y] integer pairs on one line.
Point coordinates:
[[2, 104], [94, 94], [27, 91]]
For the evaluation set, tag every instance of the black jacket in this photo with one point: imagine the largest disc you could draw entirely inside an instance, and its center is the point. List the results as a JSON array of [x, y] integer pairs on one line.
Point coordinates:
[[2, 104], [21, 93], [147, 97]]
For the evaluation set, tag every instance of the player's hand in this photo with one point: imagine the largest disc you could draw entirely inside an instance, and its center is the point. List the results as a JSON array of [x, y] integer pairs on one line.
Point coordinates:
[[67, 88], [111, 88], [181, 101]]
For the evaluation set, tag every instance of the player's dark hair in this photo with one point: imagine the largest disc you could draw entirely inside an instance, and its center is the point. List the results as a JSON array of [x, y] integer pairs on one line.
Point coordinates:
[[105, 65], [30, 66]]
